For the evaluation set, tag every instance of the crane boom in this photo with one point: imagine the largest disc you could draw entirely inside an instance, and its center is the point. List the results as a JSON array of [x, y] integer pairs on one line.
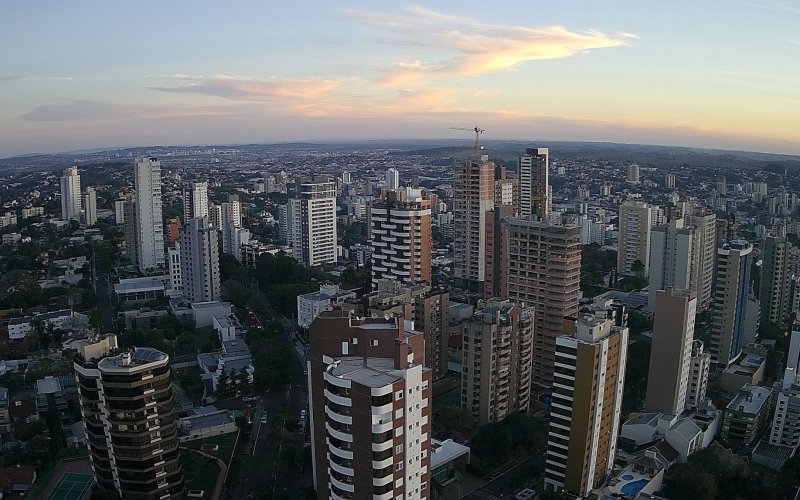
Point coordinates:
[[478, 131]]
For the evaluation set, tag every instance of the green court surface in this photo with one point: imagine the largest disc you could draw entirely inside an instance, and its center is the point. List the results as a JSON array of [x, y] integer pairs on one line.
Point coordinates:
[[72, 486]]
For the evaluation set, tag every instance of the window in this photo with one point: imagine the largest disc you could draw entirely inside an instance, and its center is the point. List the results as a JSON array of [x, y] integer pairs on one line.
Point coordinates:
[[398, 466], [373, 343]]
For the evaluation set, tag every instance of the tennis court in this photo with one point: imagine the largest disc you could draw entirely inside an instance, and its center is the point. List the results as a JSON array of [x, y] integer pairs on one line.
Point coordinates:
[[72, 486]]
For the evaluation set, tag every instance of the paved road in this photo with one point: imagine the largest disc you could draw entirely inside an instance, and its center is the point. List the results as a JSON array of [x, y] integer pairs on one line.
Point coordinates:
[[255, 479]]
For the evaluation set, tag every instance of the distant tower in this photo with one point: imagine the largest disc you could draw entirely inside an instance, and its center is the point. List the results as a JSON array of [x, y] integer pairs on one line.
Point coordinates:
[[473, 196], [636, 220], [533, 183], [71, 194], [195, 201], [90, 206], [199, 261], [346, 180], [313, 220], [669, 181], [392, 179], [674, 258], [149, 217], [774, 293], [633, 174]]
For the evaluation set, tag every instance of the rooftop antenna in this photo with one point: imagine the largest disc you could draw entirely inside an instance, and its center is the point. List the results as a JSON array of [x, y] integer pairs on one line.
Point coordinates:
[[478, 131]]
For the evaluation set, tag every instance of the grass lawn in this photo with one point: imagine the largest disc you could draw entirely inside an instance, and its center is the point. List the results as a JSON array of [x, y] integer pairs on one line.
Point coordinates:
[[199, 472], [224, 441]]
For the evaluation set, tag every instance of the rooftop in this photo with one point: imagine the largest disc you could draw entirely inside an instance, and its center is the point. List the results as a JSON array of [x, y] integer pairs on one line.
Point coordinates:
[[369, 372], [139, 357], [205, 420], [47, 385], [137, 285], [750, 399], [446, 451]]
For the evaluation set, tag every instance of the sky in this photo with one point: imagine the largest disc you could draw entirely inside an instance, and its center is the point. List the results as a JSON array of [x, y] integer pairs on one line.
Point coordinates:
[[90, 74]]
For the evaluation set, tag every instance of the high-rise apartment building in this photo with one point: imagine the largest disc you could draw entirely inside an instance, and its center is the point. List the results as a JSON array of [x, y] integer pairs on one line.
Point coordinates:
[[705, 224], [533, 183], [669, 181], [127, 408], [774, 293], [674, 258], [473, 196], [543, 270], [729, 311], [314, 240], [671, 351], [149, 217], [698, 376], [119, 212], [195, 201], [401, 240], [232, 211], [174, 267], [90, 207], [785, 430], [633, 174], [497, 358], [587, 401], [636, 220], [199, 261], [392, 179], [370, 408], [506, 192], [427, 306], [71, 194], [131, 233]]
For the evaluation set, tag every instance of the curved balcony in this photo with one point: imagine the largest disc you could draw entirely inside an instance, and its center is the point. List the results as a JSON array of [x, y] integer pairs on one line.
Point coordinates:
[[339, 400], [332, 448], [382, 446], [347, 471], [333, 380], [382, 427], [382, 481], [342, 419], [342, 485], [381, 464], [383, 409], [341, 436], [385, 496]]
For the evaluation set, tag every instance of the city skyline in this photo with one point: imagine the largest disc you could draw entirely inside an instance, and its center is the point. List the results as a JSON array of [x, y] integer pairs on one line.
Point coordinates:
[[710, 75]]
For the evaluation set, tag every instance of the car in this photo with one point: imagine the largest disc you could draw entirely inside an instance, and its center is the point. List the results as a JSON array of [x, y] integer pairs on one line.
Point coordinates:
[[263, 419]]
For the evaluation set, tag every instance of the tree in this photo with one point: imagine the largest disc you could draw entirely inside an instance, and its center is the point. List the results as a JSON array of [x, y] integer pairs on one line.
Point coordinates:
[[689, 483], [638, 268], [223, 386], [453, 418]]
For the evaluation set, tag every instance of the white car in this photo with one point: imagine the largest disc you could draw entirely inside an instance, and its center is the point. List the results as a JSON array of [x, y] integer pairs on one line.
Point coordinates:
[[263, 419]]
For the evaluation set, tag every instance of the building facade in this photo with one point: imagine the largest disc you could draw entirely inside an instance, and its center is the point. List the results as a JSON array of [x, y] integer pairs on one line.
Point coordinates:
[[543, 271], [90, 207], [314, 239], [497, 358], [774, 293], [71, 194], [149, 217], [370, 408], [401, 241], [195, 201], [533, 183], [587, 401], [127, 407], [671, 351], [473, 196], [729, 311], [636, 220], [199, 261]]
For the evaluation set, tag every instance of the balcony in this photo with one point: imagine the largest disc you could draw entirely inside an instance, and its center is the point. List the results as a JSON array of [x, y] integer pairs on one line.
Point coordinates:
[[339, 452]]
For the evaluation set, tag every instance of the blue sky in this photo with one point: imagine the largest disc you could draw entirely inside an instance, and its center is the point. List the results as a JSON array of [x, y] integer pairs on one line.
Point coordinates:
[[102, 74]]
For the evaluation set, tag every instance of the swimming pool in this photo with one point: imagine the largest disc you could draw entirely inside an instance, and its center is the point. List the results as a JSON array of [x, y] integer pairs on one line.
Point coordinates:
[[634, 487], [627, 477]]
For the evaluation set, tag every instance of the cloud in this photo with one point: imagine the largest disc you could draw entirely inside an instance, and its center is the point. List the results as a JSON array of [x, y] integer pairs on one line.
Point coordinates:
[[34, 78], [84, 110], [474, 47], [242, 88]]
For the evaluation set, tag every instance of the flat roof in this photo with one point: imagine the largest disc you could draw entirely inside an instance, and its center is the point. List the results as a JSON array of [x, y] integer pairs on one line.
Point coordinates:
[[369, 372], [206, 420], [47, 385], [140, 356], [446, 451], [750, 400], [138, 286], [210, 304]]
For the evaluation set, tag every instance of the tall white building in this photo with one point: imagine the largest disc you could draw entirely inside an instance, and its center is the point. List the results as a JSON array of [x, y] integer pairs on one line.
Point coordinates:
[[195, 201], [149, 217], [232, 240], [119, 212], [232, 212], [314, 240], [199, 261], [633, 174], [174, 268], [785, 430], [90, 207], [698, 376], [401, 241], [71, 194], [533, 183], [392, 179]]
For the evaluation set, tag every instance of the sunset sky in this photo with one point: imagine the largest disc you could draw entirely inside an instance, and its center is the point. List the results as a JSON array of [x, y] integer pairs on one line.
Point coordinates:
[[91, 74]]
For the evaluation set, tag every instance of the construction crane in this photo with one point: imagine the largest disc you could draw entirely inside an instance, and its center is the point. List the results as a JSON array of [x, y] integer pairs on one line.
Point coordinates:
[[478, 131]]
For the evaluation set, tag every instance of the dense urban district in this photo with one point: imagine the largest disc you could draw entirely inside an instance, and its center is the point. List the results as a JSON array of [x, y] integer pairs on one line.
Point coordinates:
[[400, 320]]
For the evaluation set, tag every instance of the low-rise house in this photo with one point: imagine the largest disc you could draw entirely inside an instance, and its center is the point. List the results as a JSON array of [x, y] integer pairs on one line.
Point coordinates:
[[15, 481], [205, 422], [310, 305]]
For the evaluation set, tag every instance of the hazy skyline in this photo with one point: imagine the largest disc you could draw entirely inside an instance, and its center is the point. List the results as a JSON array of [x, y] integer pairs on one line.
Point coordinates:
[[91, 74]]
